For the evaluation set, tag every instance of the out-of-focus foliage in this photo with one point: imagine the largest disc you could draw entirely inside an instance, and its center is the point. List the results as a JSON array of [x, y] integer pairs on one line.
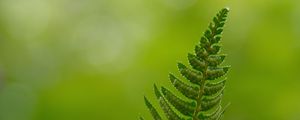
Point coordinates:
[[95, 59]]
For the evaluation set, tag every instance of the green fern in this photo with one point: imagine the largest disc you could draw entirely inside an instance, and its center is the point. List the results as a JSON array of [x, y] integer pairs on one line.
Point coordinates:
[[207, 81]]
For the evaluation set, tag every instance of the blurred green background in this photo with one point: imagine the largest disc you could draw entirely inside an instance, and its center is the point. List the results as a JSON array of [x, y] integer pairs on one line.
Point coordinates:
[[96, 59]]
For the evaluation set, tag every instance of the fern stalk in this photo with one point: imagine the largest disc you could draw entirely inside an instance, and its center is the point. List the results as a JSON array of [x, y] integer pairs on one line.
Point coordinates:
[[206, 80]]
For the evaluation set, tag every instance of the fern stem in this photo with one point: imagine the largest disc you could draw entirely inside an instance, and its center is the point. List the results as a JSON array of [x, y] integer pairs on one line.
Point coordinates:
[[199, 98]]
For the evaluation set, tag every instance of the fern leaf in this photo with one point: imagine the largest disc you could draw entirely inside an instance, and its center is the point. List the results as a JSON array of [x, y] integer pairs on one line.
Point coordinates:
[[187, 90], [215, 60], [209, 102], [169, 112], [192, 75], [141, 118], [200, 52], [213, 50], [153, 111], [196, 63], [204, 88], [216, 72], [215, 115], [214, 87], [186, 108]]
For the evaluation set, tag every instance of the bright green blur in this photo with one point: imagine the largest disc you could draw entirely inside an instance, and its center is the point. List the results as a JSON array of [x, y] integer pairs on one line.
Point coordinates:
[[96, 59]]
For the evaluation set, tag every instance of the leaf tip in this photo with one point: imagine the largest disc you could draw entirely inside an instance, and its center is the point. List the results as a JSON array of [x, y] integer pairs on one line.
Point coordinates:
[[157, 92], [181, 66], [226, 9]]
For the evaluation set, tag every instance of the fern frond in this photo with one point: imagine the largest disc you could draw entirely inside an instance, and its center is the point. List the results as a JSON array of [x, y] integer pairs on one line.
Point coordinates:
[[203, 88]]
